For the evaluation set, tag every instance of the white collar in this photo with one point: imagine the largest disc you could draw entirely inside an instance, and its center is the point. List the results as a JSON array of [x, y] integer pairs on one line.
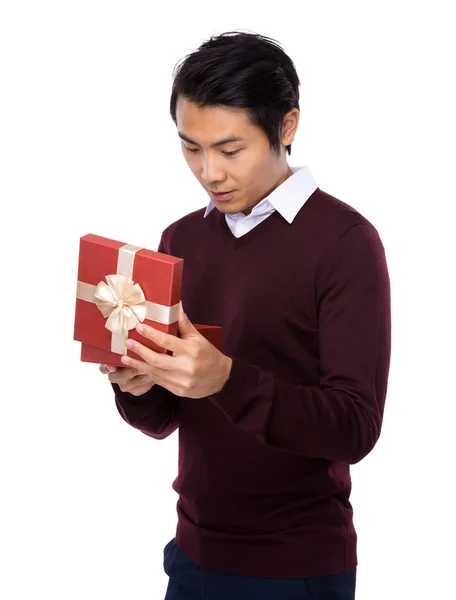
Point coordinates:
[[288, 198]]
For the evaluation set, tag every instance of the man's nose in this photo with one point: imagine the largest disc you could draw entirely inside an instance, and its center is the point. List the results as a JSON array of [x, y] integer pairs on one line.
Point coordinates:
[[210, 170]]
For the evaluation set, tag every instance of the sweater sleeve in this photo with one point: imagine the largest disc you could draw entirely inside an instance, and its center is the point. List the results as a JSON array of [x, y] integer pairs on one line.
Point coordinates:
[[339, 419], [155, 413]]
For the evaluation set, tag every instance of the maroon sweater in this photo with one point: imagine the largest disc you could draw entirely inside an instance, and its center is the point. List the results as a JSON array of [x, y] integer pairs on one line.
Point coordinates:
[[264, 479]]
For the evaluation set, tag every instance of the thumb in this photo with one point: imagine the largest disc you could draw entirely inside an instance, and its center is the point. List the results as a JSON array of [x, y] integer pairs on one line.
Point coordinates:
[[184, 325]]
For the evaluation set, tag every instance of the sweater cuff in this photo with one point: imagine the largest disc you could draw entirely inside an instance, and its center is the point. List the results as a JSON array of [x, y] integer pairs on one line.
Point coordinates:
[[238, 390]]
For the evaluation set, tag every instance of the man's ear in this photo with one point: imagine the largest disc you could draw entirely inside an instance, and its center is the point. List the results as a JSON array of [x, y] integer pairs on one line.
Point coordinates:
[[289, 126]]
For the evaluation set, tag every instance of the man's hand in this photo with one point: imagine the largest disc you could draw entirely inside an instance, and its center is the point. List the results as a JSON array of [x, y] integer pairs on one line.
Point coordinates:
[[128, 380], [195, 370]]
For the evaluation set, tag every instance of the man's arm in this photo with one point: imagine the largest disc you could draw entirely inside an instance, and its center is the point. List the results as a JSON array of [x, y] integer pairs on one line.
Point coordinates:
[[340, 419], [155, 413]]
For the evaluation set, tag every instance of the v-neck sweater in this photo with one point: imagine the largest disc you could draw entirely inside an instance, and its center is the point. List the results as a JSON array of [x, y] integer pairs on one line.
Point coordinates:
[[263, 477]]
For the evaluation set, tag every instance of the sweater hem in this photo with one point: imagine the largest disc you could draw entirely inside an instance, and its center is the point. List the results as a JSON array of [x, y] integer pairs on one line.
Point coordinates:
[[304, 556]]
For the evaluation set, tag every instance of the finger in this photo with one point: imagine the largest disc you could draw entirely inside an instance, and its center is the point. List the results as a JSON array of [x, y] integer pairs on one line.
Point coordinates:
[[106, 369], [161, 338], [122, 375], [159, 360], [139, 382]]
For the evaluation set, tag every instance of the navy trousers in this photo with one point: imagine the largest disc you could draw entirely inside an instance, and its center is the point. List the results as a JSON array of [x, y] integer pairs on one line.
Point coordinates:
[[189, 581]]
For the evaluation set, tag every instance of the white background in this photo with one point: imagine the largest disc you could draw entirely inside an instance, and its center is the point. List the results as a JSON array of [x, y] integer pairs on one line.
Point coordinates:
[[87, 145]]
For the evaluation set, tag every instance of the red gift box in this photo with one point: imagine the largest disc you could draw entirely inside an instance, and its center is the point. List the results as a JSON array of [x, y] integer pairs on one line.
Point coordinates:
[[120, 285]]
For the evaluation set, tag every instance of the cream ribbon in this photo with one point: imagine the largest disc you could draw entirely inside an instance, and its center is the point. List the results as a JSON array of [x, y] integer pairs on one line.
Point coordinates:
[[122, 301]]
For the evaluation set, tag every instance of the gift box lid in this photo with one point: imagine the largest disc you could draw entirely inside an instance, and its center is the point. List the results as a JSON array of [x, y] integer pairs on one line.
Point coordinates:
[[158, 275]]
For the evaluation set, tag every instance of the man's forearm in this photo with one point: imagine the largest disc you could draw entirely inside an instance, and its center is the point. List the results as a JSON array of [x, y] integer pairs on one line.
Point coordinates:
[[155, 413]]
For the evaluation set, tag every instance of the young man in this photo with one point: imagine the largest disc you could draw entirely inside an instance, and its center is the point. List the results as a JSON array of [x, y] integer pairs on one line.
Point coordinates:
[[269, 427]]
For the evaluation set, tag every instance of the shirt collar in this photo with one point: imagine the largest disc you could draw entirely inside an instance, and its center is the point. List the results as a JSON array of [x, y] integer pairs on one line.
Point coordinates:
[[288, 198]]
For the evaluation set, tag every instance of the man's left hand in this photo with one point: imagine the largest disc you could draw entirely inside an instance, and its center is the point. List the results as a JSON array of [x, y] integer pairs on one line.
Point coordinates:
[[195, 370]]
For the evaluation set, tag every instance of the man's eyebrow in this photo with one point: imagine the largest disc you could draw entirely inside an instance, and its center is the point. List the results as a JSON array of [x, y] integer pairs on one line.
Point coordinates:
[[231, 138]]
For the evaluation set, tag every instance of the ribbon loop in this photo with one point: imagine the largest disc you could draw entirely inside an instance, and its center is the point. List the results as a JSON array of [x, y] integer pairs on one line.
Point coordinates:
[[121, 302]]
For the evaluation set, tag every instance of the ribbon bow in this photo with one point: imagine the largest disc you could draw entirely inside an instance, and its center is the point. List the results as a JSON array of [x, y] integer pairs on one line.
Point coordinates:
[[122, 302]]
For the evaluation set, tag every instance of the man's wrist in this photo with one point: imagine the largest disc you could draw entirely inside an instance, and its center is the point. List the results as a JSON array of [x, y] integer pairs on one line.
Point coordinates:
[[228, 363]]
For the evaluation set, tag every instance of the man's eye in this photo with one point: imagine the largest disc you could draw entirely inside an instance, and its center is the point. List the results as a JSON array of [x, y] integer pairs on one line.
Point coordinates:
[[229, 154]]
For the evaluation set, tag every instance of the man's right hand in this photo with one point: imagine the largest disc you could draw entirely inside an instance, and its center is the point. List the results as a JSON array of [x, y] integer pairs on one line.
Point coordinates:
[[128, 380]]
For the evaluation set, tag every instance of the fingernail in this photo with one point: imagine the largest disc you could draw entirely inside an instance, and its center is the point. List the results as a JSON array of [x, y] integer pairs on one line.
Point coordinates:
[[140, 328], [125, 360], [129, 344]]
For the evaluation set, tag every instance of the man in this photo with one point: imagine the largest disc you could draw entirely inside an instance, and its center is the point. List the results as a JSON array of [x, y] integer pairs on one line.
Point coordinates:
[[269, 426]]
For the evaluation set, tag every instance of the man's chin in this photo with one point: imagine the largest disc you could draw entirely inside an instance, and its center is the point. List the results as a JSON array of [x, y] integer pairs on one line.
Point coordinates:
[[226, 209]]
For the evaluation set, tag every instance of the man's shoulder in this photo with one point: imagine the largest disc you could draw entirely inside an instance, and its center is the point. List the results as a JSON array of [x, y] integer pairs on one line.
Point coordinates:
[[180, 235], [186, 223], [334, 215], [327, 220]]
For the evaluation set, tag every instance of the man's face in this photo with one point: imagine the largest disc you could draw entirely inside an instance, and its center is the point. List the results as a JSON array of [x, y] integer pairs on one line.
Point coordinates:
[[247, 166]]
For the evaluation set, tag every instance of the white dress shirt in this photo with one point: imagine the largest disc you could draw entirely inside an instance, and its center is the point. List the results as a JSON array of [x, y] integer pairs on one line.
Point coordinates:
[[288, 198]]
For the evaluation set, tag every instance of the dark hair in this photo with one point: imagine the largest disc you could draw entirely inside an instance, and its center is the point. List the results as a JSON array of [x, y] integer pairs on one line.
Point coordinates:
[[242, 70]]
